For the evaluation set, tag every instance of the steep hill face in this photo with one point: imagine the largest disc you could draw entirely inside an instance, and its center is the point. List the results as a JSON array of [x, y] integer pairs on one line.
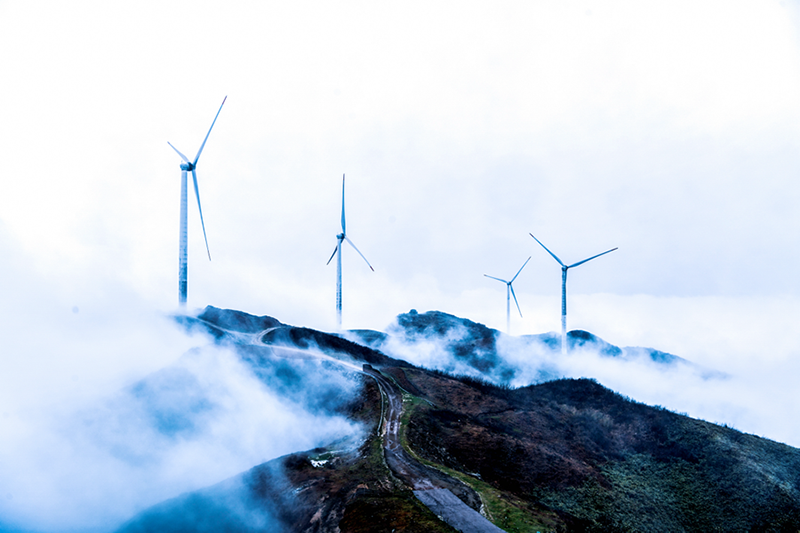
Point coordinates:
[[564, 455], [603, 462]]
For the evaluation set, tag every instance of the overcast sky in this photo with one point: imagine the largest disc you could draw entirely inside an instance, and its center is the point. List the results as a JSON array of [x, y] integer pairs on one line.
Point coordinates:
[[670, 130]]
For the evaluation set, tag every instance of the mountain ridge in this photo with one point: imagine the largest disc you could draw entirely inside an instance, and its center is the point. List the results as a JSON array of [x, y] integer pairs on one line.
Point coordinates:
[[478, 350], [560, 455]]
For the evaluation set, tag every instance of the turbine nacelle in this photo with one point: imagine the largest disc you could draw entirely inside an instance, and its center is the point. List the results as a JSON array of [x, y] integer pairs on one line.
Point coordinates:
[[339, 250], [510, 293], [564, 269], [186, 167]]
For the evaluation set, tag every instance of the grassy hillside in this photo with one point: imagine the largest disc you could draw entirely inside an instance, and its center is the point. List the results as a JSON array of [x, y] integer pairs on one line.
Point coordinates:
[[565, 455], [604, 462]]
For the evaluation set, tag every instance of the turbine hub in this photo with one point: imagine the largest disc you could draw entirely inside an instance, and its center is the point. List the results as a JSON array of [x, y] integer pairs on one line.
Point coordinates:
[[340, 236], [187, 166]]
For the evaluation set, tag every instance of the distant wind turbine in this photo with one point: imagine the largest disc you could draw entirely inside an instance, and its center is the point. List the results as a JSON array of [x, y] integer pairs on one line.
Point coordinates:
[[187, 166], [509, 294], [564, 269], [338, 253]]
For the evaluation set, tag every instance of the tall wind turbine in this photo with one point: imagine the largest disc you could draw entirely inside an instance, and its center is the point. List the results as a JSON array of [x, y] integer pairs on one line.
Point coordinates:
[[509, 294], [187, 166], [564, 269], [338, 253]]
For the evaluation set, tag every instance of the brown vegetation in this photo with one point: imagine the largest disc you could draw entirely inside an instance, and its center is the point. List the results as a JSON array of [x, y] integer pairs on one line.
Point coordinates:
[[565, 455], [604, 462]]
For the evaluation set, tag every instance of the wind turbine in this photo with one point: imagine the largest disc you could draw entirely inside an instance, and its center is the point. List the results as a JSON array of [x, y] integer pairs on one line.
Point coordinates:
[[338, 253], [564, 269], [509, 294], [187, 166]]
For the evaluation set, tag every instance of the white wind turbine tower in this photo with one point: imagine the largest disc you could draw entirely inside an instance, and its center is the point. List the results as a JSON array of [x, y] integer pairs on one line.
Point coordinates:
[[338, 253], [564, 269], [509, 294], [187, 166]]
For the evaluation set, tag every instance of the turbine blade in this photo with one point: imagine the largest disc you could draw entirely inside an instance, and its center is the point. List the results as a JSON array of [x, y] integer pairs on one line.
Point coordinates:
[[593, 257], [333, 254], [209, 132], [199, 208], [359, 253], [548, 251], [520, 270], [498, 279], [343, 230], [515, 299], [180, 154]]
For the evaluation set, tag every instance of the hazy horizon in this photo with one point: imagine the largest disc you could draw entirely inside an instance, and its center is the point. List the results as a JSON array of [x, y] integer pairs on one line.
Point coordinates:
[[671, 131]]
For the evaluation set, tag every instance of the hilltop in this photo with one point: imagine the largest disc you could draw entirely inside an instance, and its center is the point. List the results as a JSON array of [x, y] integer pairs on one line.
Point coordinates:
[[460, 346], [559, 455]]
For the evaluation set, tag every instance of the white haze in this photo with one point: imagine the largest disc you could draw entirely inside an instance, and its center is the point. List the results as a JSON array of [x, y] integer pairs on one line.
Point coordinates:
[[91, 463], [733, 379], [85, 445], [670, 130], [94, 465]]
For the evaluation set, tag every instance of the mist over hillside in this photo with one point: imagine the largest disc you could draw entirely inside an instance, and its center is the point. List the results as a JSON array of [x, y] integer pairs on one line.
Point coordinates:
[[669, 131], [264, 426], [561, 455], [209, 413], [460, 346]]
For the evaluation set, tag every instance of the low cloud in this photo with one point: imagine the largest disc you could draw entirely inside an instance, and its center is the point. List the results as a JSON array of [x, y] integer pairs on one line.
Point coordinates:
[[107, 406], [751, 390], [202, 419]]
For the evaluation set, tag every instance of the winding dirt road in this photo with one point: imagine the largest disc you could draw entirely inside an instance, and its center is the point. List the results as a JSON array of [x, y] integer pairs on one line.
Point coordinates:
[[451, 500], [411, 472]]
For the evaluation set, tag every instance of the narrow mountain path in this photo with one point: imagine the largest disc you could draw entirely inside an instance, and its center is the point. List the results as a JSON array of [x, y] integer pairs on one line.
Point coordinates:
[[443, 495], [440, 493]]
